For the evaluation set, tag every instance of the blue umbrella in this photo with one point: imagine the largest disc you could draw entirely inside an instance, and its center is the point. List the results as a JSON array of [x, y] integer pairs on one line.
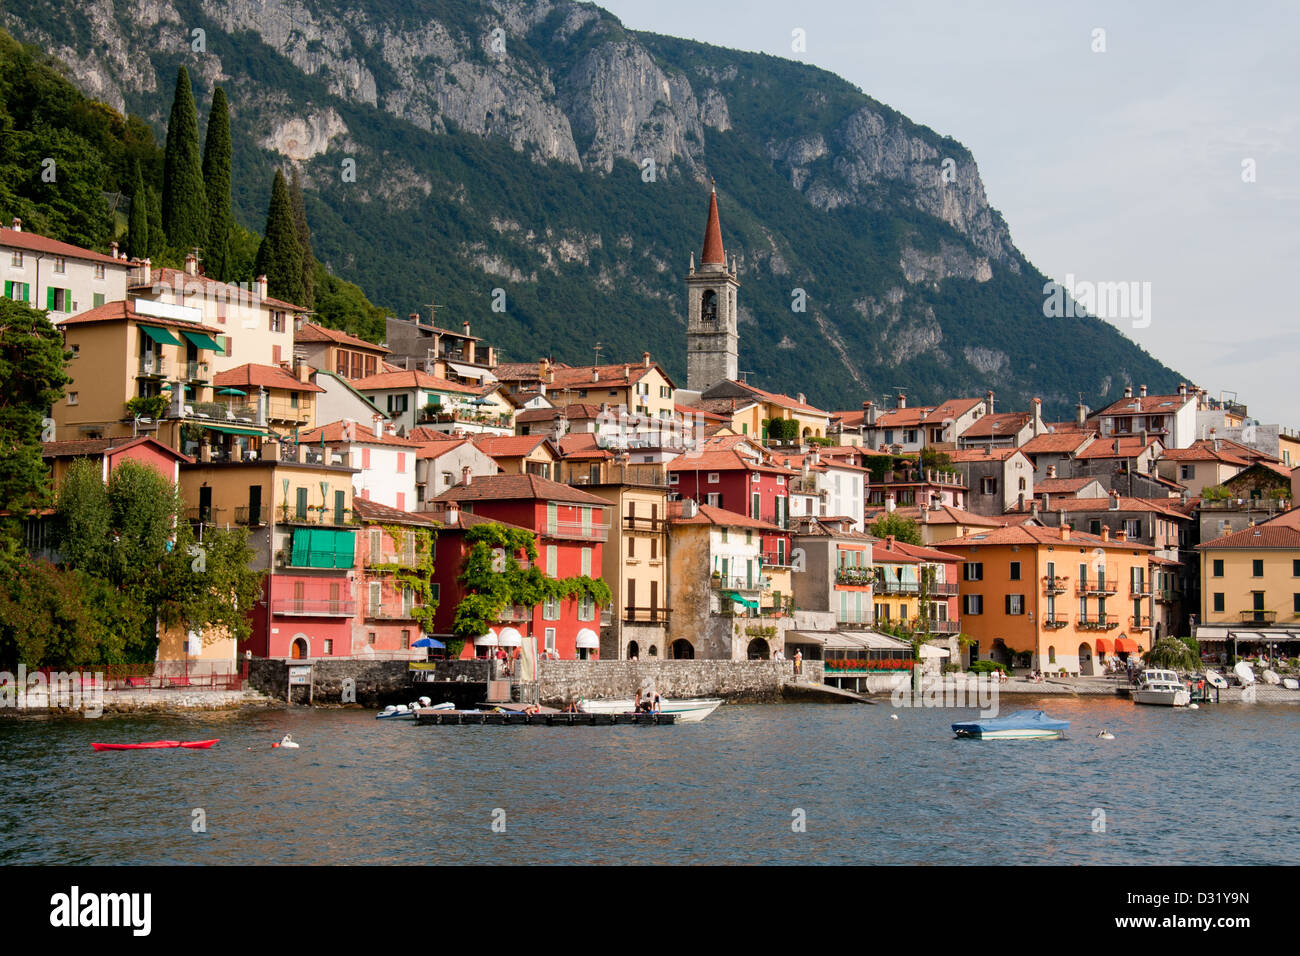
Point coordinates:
[[428, 642]]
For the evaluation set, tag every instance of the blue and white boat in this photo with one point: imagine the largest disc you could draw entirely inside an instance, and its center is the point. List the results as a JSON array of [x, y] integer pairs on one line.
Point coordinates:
[[1022, 725]]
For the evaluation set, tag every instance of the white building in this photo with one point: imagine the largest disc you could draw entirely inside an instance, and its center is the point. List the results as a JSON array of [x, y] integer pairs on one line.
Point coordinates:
[[61, 278], [387, 463]]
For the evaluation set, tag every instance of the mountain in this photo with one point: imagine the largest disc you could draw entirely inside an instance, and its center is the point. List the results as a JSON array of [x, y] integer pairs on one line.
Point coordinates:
[[453, 149]]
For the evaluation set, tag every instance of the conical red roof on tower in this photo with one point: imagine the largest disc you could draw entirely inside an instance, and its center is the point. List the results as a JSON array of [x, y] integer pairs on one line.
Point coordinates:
[[713, 235]]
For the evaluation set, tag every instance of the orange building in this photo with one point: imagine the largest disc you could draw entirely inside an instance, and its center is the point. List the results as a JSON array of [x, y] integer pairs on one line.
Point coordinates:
[[1066, 599]]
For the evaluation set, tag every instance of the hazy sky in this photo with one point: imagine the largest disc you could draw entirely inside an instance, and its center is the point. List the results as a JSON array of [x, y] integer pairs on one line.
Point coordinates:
[[1123, 165]]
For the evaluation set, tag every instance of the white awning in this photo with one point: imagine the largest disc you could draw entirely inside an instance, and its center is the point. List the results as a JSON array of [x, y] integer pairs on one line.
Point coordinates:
[[929, 650], [469, 371], [510, 637], [486, 640], [588, 639], [877, 641]]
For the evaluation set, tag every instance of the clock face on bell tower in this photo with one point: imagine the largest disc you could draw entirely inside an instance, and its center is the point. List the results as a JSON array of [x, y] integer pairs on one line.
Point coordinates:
[[712, 338]]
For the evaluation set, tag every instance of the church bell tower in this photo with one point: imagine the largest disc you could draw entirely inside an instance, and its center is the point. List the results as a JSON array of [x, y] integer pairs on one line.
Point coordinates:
[[712, 339]]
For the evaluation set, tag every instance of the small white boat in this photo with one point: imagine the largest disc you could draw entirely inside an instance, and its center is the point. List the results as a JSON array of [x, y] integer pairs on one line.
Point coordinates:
[[1244, 673], [1290, 683], [1215, 679], [688, 711], [1163, 688], [1022, 725]]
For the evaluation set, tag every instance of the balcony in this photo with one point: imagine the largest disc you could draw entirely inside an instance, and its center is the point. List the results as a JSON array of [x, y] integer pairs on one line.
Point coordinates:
[[197, 372], [935, 626], [942, 589], [1142, 589], [313, 607], [515, 613], [1142, 623], [897, 587], [1054, 584], [593, 531], [1168, 595], [1086, 588], [771, 559], [645, 615], [204, 515], [152, 366], [806, 486], [392, 612], [645, 523], [858, 577], [1259, 617], [1105, 622], [221, 412], [386, 556], [249, 516], [738, 583], [1056, 621]]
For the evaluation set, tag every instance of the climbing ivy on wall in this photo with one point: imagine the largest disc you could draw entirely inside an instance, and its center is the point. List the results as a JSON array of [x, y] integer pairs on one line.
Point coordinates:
[[492, 584], [417, 576]]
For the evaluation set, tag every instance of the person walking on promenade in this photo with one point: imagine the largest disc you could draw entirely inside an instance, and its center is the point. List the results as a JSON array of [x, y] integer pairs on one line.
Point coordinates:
[[798, 663]]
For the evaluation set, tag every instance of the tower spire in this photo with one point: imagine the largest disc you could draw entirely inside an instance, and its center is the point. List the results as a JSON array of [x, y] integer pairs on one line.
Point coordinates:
[[713, 254]]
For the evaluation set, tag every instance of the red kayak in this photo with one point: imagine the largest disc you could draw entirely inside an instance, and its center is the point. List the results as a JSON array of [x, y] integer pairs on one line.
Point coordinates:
[[159, 745]]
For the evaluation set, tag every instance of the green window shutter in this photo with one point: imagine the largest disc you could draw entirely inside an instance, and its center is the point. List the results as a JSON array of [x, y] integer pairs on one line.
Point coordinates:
[[300, 549], [49, 299], [344, 548], [339, 506], [302, 502], [9, 289], [99, 299]]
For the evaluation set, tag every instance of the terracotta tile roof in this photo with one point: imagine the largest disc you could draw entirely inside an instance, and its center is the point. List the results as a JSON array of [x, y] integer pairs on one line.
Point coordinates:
[[578, 411], [903, 417], [1037, 534], [87, 447], [582, 445], [958, 455], [709, 515], [513, 487], [1002, 423], [919, 552], [33, 242], [362, 434], [1129, 447], [368, 510], [953, 408], [784, 401], [796, 462], [517, 372], [720, 408], [267, 376], [436, 449], [1199, 452], [883, 555], [1059, 443], [123, 312], [725, 459], [1099, 505], [621, 375], [1139, 405], [1060, 486], [944, 514], [510, 446], [1280, 532], [311, 332], [702, 409], [468, 519], [422, 433], [412, 378], [820, 526], [178, 279]]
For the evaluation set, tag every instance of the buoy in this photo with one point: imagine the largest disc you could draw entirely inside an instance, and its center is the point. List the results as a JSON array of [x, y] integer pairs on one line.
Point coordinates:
[[893, 716], [1193, 706], [1105, 735], [287, 743]]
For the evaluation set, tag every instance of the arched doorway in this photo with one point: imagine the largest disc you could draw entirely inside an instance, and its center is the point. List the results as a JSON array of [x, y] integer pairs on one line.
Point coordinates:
[[682, 650], [633, 651], [758, 650], [298, 650], [1000, 652], [1087, 663]]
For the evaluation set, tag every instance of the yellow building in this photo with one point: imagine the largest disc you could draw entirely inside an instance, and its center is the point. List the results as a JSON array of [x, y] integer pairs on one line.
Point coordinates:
[[644, 389], [1252, 577]]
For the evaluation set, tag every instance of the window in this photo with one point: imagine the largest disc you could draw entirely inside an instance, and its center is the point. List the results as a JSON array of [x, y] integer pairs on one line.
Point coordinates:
[[1186, 471], [1218, 567], [552, 560], [586, 608], [401, 463], [1295, 605], [397, 404], [16, 260], [714, 500], [665, 391], [1015, 571], [98, 298], [1218, 602], [551, 609], [376, 598], [780, 479], [75, 350], [227, 344], [1295, 567], [371, 637], [988, 486], [586, 562], [302, 504], [1133, 527], [1094, 527], [73, 397], [99, 271], [435, 590], [59, 300], [973, 571], [1051, 655], [1257, 568], [277, 321], [550, 639], [18, 291], [973, 604], [60, 265], [329, 647], [713, 478], [631, 544], [672, 478], [406, 640], [1015, 603]]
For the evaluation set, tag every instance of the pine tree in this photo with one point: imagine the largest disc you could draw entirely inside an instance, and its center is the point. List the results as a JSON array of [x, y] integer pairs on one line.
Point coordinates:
[[304, 241], [279, 257], [184, 200], [216, 181], [137, 229]]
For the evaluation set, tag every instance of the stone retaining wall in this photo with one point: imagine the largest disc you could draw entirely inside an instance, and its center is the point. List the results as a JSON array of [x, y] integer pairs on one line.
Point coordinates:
[[735, 681]]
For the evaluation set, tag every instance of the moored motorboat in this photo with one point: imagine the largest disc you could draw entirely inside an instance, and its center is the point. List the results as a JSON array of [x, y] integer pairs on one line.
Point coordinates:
[[160, 745], [688, 710], [1021, 725], [1162, 688]]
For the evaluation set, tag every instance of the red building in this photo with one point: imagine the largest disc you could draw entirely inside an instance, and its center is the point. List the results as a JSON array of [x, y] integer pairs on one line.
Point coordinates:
[[570, 529], [732, 473], [390, 542]]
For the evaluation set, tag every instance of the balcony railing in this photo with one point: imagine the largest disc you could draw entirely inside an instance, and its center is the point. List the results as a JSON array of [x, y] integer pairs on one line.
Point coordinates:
[[1101, 623], [1259, 617], [935, 626], [197, 372], [862, 577], [392, 612], [205, 515], [1097, 587], [1054, 584], [801, 486], [594, 531], [516, 612], [313, 607], [735, 582], [942, 589], [897, 587], [1056, 621], [645, 523], [646, 615], [1142, 623], [772, 560], [1168, 595], [250, 516], [1142, 589], [150, 365], [403, 559]]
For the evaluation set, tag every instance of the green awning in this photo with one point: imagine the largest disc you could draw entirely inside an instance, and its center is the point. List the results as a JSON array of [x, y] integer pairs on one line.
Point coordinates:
[[161, 336], [231, 430], [732, 595], [322, 548], [202, 340]]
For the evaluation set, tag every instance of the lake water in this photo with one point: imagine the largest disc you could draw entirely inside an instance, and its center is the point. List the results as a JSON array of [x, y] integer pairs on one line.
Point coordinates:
[[1176, 786]]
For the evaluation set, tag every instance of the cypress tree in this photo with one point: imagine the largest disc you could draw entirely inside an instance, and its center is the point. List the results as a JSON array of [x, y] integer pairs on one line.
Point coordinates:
[[216, 182], [184, 201], [304, 241], [157, 238], [137, 227], [279, 257]]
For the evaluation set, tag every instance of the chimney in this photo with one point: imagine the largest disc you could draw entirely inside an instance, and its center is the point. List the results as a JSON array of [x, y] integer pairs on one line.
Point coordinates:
[[146, 273], [18, 224], [1142, 391], [902, 400], [1033, 508], [1081, 414], [1121, 535], [112, 248], [1128, 391], [1051, 471], [1105, 533], [645, 359], [803, 400], [377, 425], [1117, 446], [261, 287], [988, 398], [452, 516], [191, 264], [870, 413], [889, 542], [466, 478], [1182, 389], [465, 325], [1060, 517], [595, 374], [414, 317], [1047, 502], [1114, 500], [1021, 505], [889, 502], [1065, 531]]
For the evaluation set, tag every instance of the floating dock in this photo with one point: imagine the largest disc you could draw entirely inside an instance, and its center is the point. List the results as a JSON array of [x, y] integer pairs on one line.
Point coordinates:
[[519, 718]]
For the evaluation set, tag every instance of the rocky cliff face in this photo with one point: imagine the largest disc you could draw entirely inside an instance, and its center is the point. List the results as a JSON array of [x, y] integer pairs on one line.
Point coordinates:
[[565, 86]]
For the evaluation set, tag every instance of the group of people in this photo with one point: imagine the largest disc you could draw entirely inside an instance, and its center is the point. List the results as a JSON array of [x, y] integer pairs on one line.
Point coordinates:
[[648, 703]]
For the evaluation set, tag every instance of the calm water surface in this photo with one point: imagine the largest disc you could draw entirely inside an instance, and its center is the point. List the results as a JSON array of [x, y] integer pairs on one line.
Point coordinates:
[[1177, 786]]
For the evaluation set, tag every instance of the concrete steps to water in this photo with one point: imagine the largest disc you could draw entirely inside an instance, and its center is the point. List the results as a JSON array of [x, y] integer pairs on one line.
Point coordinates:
[[824, 693]]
